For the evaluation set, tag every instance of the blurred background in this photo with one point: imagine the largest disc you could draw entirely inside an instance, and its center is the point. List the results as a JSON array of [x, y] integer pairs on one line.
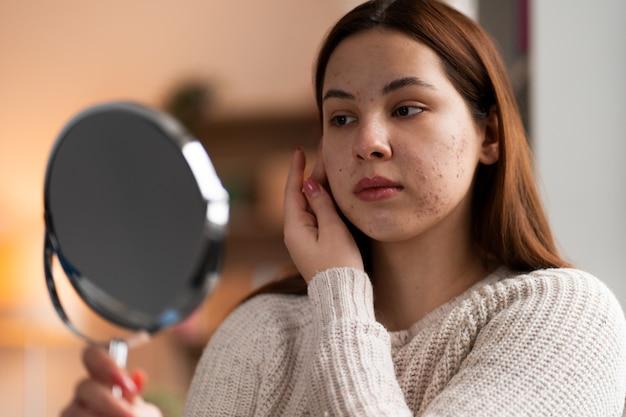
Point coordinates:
[[239, 76]]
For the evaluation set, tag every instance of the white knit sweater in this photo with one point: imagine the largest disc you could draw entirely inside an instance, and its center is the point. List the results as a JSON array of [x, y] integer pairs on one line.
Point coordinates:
[[548, 343]]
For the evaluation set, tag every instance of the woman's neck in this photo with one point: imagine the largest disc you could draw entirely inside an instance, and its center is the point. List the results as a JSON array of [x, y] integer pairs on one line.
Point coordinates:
[[413, 277]]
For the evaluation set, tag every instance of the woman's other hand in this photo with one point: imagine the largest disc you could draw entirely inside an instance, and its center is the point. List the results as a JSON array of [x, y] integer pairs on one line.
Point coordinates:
[[93, 396], [315, 236]]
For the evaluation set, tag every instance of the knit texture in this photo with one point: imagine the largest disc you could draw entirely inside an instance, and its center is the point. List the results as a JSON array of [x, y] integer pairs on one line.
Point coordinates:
[[548, 343]]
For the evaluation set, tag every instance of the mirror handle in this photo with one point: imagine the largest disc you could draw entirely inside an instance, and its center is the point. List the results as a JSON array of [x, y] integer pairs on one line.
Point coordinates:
[[118, 350]]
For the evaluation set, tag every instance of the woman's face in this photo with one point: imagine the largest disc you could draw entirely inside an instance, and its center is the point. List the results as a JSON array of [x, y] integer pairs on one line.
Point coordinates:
[[416, 132]]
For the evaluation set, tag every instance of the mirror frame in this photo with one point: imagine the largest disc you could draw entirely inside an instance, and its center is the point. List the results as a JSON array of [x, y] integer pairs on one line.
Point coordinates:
[[215, 226]]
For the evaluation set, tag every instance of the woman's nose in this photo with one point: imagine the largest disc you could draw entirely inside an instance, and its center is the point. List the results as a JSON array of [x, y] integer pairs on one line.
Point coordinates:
[[372, 143]]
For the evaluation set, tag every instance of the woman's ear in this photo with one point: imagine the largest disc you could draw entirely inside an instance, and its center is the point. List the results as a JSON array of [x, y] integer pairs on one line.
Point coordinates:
[[490, 147]]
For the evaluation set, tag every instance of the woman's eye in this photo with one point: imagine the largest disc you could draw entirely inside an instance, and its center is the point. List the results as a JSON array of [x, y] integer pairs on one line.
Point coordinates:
[[405, 111], [341, 120]]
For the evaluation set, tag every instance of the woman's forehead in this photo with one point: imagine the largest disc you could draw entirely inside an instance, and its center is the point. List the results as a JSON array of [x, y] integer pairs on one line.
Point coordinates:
[[377, 56]]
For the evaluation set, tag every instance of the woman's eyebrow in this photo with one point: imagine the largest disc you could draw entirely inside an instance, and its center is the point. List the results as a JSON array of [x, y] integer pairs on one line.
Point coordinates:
[[391, 86], [403, 82], [338, 94]]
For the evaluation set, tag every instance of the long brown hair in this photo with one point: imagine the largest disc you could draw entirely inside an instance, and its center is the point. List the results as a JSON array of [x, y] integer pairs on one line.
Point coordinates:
[[509, 223]]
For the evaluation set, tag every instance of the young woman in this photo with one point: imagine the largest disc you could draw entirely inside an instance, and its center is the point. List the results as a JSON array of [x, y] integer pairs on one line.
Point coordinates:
[[432, 285]]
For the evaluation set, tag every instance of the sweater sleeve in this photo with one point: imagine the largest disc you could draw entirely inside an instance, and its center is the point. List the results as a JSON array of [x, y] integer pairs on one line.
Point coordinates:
[[352, 373], [557, 349], [227, 378]]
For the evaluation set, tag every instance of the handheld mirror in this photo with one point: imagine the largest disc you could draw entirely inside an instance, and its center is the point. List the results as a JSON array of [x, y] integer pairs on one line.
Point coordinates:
[[136, 216]]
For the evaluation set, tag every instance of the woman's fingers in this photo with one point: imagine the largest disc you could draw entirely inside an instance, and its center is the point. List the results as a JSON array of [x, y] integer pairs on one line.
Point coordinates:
[[101, 368], [322, 206], [294, 201], [98, 399], [94, 397], [295, 204]]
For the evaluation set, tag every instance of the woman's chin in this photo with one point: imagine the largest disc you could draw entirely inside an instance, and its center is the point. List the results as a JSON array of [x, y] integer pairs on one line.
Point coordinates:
[[390, 233], [390, 226]]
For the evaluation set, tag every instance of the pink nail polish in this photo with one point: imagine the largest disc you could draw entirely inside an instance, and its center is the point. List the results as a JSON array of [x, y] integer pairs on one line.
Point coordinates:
[[311, 187]]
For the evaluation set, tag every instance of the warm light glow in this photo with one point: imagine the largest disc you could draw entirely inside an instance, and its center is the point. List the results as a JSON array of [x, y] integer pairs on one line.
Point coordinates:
[[26, 314]]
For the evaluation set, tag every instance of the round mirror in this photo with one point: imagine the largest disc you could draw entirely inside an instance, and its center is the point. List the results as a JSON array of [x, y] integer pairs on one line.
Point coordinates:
[[135, 214]]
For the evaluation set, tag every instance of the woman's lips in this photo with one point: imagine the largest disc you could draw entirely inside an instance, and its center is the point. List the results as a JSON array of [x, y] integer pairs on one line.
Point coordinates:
[[377, 193], [376, 188]]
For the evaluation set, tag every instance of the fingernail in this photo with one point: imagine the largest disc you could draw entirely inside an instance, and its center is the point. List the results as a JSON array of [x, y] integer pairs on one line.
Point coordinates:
[[311, 187]]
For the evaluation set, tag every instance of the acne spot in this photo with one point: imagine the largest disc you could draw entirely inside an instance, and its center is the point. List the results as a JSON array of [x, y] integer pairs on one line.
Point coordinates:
[[439, 166], [431, 179]]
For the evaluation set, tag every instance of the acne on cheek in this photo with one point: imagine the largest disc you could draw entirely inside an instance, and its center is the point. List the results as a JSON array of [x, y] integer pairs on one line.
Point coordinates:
[[450, 157], [459, 149], [432, 201], [435, 177], [430, 204]]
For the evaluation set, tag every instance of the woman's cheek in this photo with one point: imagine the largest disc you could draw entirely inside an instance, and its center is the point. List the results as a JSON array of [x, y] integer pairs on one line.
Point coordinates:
[[436, 180], [333, 175], [430, 193]]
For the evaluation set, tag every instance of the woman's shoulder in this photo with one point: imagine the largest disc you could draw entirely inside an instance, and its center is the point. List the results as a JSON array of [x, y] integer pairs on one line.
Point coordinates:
[[560, 295], [565, 282], [266, 314], [569, 313]]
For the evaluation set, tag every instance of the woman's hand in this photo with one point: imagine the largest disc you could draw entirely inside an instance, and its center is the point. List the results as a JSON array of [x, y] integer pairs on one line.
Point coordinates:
[[93, 395], [315, 236]]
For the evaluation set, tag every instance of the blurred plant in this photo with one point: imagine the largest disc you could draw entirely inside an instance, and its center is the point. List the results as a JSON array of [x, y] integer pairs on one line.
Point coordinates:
[[190, 102]]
